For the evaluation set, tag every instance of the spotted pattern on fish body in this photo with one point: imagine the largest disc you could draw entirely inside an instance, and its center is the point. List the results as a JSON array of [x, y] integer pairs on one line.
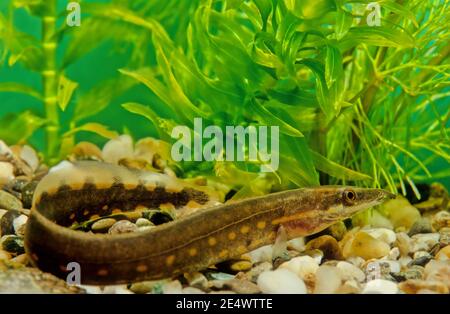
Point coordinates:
[[209, 236]]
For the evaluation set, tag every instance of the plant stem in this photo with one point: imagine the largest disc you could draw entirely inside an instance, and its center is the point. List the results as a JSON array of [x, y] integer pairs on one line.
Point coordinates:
[[49, 77]]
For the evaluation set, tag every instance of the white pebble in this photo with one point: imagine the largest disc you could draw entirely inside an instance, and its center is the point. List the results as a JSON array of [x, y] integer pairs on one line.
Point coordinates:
[[29, 155], [281, 281], [19, 224], [419, 254], [6, 172], [424, 241], [382, 234], [297, 244], [192, 290], [380, 286], [172, 287], [328, 280], [116, 289], [349, 272], [404, 261], [356, 260], [394, 254], [303, 266], [117, 149]]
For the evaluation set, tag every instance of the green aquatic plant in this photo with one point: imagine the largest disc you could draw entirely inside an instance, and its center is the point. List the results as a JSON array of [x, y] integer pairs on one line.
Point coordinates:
[[354, 101], [53, 51], [359, 91]]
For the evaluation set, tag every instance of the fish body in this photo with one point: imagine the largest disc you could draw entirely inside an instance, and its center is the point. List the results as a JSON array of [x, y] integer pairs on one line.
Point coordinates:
[[207, 237]]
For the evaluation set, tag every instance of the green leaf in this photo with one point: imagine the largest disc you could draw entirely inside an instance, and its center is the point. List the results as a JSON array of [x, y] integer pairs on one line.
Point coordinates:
[[377, 36], [271, 120], [18, 127], [100, 96], [65, 91], [96, 128], [333, 67], [20, 88], [164, 126], [322, 92], [336, 170]]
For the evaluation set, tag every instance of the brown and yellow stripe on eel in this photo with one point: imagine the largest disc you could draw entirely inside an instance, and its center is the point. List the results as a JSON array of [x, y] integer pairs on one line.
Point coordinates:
[[212, 235]]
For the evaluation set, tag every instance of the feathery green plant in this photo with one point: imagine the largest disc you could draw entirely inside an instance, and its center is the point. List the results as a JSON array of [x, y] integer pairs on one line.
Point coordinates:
[[345, 94]]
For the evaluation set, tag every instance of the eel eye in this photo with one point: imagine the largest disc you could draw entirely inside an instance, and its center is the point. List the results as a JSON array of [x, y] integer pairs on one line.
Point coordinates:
[[349, 196]]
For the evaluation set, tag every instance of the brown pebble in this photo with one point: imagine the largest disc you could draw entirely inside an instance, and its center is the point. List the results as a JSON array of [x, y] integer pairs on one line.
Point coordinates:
[[413, 286], [328, 245]]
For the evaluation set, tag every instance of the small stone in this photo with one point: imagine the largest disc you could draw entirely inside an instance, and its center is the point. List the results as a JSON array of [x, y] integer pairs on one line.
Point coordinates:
[[4, 255], [413, 272], [421, 261], [281, 281], [356, 261], [382, 234], [117, 149], [123, 226], [365, 246], [29, 155], [394, 254], [143, 287], [297, 244], [304, 266], [19, 225], [444, 253], [420, 254], [7, 222], [445, 236], [400, 212], [28, 192], [12, 244], [413, 286], [6, 173], [197, 280], [219, 276], [103, 225], [252, 275], [404, 260], [438, 271], [328, 245], [349, 287], [192, 290], [424, 242], [145, 228], [142, 222], [422, 225], [380, 286], [316, 254], [19, 279], [172, 287], [381, 269], [328, 280], [337, 230], [441, 220], [403, 242], [350, 272], [86, 151], [21, 259], [9, 202], [237, 285]]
